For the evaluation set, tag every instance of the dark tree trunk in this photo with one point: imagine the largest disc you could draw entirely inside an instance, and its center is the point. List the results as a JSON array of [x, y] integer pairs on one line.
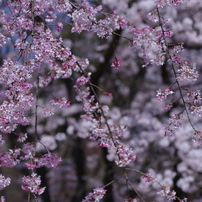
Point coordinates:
[[109, 177], [44, 183], [79, 158]]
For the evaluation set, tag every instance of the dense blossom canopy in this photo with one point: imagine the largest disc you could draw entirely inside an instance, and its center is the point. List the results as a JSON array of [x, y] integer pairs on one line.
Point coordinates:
[[100, 100]]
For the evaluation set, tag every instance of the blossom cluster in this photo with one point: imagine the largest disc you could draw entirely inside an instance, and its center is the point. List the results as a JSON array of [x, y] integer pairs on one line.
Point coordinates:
[[170, 195], [147, 177], [194, 96], [96, 195], [176, 121], [32, 184], [101, 130], [85, 19], [162, 3], [152, 44], [187, 72], [40, 59], [162, 94], [4, 181], [60, 102], [116, 64]]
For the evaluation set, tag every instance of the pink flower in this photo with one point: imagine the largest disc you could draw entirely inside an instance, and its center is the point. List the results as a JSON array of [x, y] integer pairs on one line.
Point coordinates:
[[197, 136], [4, 182], [125, 155], [148, 177], [82, 80], [2, 199], [50, 160], [187, 72], [194, 96], [106, 93], [32, 184], [10, 158], [96, 195], [22, 137], [168, 33], [116, 63], [59, 26], [47, 112], [162, 94], [61, 102], [2, 142], [170, 195], [168, 107]]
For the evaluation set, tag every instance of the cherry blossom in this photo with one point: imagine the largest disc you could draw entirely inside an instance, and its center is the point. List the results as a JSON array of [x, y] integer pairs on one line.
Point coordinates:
[[49, 160], [116, 64], [187, 72], [96, 195], [22, 137], [10, 158], [166, 192], [59, 26], [60, 102], [194, 96], [148, 177], [4, 182], [162, 3], [83, 80], [32, 184], [162, 94], [55, 86], [2, 141], [2, 199]]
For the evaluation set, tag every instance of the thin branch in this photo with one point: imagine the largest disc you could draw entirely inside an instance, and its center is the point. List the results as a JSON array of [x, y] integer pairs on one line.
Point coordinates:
[[131, 186], [173, 68]]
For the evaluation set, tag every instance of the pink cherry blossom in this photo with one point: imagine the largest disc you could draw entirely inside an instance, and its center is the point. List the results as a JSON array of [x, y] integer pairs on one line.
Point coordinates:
[[116, 64], [57, 52], [59, 26], [32, 184], [187, 72], [96, 195], [148, 177], [4, 182], [162, 94], [60, 102]]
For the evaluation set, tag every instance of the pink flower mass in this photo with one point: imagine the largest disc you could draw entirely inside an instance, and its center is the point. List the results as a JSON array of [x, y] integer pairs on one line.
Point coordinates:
[[72, 128], [31, 184], [116, 64]]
